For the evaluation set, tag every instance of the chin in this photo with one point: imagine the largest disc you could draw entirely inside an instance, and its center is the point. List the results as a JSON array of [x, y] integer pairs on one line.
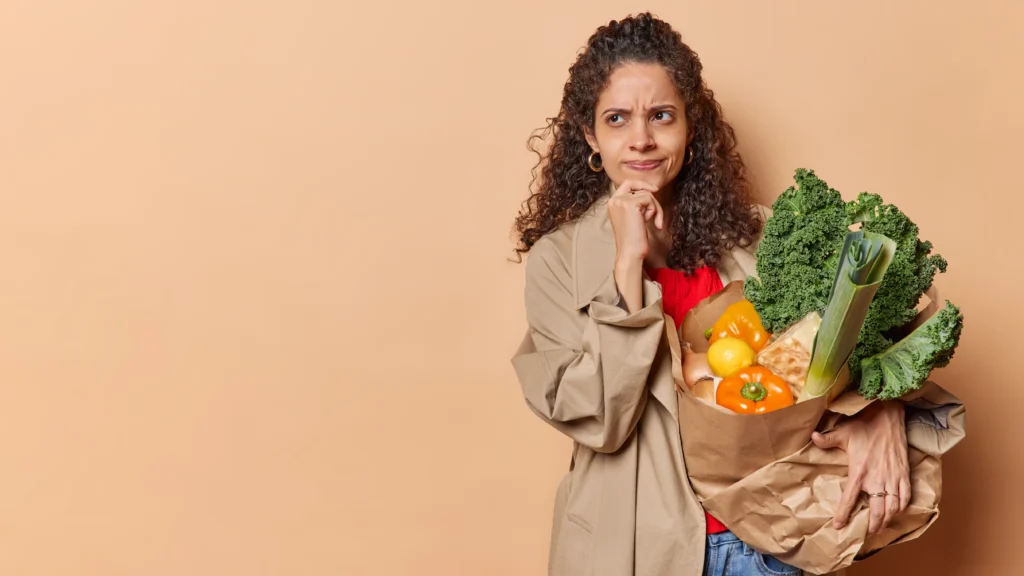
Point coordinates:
[[659, 181], [654, 179]]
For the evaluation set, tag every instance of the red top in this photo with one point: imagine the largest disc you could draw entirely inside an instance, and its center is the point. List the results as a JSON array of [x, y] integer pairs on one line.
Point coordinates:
[[680, 293]]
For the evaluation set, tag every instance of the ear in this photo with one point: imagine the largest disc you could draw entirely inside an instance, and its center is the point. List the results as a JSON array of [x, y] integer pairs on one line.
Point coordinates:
[[591, 140]]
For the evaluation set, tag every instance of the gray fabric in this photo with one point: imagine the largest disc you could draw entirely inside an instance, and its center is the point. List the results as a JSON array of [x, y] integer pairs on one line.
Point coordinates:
[[920, 411]]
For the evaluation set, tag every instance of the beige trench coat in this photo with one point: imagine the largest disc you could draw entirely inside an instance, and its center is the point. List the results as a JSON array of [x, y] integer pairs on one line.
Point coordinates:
[[603, 377]]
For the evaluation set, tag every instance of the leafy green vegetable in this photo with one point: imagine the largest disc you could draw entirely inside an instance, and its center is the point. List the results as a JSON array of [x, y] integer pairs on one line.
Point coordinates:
[[905, 366], [910, 274], [800, 252]]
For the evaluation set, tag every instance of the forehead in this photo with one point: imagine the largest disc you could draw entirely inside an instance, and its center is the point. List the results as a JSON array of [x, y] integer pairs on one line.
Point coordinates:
[[644, 84]]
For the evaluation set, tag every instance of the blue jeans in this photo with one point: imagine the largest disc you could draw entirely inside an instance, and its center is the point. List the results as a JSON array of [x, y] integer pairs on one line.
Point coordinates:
[[727, 555]]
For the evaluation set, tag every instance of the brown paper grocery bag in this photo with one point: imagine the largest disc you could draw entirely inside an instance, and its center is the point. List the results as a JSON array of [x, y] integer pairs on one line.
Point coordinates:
[[772, 487], [786, 507]]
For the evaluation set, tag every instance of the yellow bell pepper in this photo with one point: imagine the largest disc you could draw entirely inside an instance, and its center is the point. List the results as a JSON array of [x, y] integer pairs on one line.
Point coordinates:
[[740, 320]]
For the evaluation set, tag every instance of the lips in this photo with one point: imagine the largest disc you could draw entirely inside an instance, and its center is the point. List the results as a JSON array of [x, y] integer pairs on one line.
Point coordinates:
[[644, 164]]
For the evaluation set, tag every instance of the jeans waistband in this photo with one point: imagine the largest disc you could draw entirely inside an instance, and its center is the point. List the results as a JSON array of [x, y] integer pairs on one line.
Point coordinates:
[[721, 538]]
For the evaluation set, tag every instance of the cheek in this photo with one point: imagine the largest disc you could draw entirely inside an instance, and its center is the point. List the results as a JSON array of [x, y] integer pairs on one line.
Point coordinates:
[[615, 170], [610, 144], [611, 153], [676, 145]]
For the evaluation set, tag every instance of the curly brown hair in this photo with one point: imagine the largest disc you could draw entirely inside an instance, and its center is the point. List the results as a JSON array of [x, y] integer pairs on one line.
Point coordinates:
[[710, 201]]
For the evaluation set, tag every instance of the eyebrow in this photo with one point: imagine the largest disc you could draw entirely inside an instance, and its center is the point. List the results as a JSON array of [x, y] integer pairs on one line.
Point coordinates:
[[657, 108]]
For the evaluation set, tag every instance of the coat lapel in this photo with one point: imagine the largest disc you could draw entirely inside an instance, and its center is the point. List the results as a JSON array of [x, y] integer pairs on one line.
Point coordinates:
[[593, 252]]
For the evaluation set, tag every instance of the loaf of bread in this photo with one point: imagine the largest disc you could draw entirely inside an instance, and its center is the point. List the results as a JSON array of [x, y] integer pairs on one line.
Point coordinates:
[[788, 355]]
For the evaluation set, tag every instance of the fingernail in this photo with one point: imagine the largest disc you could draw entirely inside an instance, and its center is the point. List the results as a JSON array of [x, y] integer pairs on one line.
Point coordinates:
[[837, 524]]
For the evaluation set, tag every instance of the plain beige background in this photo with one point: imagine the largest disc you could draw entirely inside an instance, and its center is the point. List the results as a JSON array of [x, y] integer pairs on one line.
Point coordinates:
[[257, 316]]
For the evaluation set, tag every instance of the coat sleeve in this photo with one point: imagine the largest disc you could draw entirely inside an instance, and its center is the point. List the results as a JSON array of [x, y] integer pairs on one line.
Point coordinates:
[[585, 371]]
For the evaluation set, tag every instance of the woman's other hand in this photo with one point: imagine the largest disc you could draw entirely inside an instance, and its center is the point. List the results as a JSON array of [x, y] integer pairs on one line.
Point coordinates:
[[875, 442]]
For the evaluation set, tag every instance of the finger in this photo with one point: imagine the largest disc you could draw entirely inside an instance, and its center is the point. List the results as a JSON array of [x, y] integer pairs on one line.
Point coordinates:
[[649, 206], [877, 514], [630, 186], [823, 441], [850, 493], [905, 493], [659, 215], [650, 209], [892, 506], [647, 209], [829, 440]]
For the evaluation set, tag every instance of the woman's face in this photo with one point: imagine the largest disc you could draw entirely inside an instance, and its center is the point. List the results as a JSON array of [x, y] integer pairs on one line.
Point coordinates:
[[640, 126]]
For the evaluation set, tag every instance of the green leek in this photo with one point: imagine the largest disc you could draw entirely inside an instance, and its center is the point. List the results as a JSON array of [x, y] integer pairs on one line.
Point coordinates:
[[863, 262]]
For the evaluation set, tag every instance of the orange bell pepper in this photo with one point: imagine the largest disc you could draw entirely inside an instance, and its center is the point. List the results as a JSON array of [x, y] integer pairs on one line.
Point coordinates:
[[740, 320], [753, 390]]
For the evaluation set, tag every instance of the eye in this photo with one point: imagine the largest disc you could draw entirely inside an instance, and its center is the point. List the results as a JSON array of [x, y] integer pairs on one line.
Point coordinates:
[[612, 118], [663, 115]]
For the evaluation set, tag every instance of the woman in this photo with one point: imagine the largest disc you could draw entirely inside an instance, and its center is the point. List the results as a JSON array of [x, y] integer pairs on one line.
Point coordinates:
[[642, 210]]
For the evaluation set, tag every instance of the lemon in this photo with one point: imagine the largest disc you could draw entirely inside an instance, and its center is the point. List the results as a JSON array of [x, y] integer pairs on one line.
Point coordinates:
[[728, 356]]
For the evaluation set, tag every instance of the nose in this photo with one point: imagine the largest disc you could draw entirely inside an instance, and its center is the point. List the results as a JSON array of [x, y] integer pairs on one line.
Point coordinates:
[[642, 137]]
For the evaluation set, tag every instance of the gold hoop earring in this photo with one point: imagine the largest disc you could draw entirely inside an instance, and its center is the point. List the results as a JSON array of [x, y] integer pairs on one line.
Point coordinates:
[[690, 161], [590, 162]]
